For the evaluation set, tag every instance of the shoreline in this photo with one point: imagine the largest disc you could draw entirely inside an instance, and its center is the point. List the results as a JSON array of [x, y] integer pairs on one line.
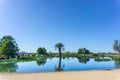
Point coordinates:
[[108, 69], [113, 74]]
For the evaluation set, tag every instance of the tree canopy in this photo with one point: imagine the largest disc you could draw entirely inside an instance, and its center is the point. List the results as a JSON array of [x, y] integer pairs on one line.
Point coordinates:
[[8, 46], [41, 50], [83, 51], [60, 47]]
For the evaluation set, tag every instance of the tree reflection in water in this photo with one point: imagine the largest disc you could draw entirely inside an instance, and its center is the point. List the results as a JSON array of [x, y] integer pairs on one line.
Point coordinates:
[[116, 61], [83, 60], [59, 67], [117, 64], [9, 67], [41, 61]]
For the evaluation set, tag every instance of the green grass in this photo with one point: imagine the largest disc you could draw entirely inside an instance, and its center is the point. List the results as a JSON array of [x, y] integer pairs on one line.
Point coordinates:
[[115, 57], [19, 60], [64, 55]]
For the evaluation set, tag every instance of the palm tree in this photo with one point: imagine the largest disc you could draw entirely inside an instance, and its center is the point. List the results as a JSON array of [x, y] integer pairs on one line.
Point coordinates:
[[60, 47]]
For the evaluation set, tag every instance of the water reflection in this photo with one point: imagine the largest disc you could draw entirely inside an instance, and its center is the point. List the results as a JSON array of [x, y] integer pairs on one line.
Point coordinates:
[[9, 67], [83, 60], [102, 59], [117, 64], [70, 64], [59, 67], [41, 61]]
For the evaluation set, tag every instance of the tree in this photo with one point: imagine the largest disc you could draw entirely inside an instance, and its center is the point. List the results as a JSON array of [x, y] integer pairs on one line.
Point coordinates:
[[116, 46], [83, 51], [60, 47], [41, 51], [8, 47]]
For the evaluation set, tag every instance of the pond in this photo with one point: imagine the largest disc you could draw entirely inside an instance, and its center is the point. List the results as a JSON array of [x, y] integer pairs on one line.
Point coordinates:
[[56, 64]]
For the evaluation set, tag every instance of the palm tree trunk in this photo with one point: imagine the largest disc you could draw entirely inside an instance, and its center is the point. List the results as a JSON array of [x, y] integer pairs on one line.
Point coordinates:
[[60, 54]]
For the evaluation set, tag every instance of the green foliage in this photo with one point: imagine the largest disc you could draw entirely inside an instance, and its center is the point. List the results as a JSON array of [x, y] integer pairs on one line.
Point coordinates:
[[9, 67], [4, 61], [116, 46], [8, 47], [41, 51], [115, 57], [70, 54], [94, 55], [83, 51], [60, 47], [53, 55], [97, 55]]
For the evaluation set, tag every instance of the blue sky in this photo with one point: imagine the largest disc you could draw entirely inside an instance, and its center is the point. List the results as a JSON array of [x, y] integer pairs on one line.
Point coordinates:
[[93, 24]]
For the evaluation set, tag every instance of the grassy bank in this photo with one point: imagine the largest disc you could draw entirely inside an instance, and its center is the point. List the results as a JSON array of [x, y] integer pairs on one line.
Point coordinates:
[[97, 57], [25, 59]]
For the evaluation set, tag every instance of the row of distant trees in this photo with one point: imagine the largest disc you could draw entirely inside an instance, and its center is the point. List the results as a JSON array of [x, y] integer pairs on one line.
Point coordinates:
[[82, 51], [9, 48]]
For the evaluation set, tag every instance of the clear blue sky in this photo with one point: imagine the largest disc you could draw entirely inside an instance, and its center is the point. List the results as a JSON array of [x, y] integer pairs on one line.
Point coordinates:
[[93, 24]]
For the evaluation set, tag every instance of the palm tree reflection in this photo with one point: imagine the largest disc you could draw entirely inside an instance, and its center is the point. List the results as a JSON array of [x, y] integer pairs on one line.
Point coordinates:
[[59, 67]]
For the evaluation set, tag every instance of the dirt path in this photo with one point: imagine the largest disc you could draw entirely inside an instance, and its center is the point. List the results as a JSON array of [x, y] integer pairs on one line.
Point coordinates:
[[80, 75]]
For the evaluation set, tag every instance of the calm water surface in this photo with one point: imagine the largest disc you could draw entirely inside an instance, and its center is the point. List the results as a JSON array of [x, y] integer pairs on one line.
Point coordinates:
[[54, 64]]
